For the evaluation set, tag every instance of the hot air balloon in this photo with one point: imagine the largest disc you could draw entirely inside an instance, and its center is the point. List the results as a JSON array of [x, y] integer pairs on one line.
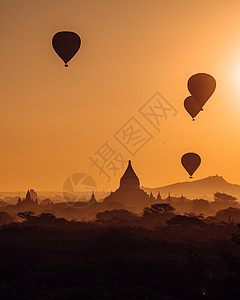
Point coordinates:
[[201, 86], [66, 44], [192, 106], [190, 162]]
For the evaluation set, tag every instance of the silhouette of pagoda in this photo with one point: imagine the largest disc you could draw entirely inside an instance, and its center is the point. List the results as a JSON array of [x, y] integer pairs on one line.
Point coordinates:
[[129, 180], [129, 192], [28, 202]]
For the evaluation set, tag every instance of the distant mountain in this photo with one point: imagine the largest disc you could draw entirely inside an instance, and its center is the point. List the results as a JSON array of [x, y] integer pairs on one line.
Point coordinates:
[[203, 188]]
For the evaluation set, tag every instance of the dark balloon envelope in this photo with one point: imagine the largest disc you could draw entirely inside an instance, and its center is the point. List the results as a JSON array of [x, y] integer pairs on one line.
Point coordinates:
[[192, 106], [201, 86], [66, 44], [190, 162]]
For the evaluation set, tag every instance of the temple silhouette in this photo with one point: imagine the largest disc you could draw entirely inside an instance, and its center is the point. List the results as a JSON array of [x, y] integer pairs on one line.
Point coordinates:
[[30, 202], [129, 192]]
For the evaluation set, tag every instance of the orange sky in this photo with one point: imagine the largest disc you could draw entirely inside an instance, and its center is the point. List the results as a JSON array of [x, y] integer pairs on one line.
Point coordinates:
[[53, 118]]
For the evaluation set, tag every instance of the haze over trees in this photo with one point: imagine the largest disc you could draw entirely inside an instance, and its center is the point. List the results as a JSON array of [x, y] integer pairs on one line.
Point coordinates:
[[130, 245], [120, 255]]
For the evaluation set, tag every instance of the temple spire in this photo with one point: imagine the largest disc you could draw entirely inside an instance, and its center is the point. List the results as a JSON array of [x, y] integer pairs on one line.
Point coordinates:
[[129, 179], [28, 196]]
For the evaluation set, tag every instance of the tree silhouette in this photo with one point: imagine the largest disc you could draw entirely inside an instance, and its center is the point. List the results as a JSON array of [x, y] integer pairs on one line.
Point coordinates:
[[158, 209], [47, 216], [200, 206], [222, 197], [185, 221], [25, 215], [223, 201], [120, 215], [229, 215], [5, 218]]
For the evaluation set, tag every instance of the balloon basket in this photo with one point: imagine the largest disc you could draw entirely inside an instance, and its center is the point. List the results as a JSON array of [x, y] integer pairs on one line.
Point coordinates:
[[193, 119], [190, 177], [66, 65]]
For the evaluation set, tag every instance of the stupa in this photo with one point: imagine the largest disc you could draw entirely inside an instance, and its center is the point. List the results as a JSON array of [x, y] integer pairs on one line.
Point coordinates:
[[129, 192]]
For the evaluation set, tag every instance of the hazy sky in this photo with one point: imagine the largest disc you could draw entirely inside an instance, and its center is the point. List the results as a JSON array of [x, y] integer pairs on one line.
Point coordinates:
[[52, 118]]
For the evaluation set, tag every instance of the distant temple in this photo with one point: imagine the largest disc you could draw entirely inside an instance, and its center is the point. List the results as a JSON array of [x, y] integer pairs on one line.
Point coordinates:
[[129, 192], [30, 201]]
